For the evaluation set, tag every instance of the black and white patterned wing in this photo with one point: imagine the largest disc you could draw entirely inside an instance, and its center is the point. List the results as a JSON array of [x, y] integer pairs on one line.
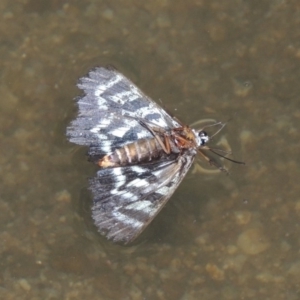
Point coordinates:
[[126, 199], [110, 110]]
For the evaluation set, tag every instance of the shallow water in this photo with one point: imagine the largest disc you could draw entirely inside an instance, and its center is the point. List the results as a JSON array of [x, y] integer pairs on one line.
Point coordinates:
[[220, 237]]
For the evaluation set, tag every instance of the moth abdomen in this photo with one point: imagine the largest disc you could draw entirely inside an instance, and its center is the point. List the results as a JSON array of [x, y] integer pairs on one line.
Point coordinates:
[[142, 150]]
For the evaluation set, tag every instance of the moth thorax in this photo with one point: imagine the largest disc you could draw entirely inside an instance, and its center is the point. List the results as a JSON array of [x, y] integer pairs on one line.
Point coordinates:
[[143, 150]]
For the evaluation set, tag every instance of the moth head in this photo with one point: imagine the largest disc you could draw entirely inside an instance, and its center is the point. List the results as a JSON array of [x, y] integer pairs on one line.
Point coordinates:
[[203, 138]]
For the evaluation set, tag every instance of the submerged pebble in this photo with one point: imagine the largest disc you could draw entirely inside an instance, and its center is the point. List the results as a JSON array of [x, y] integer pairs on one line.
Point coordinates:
[[253, 241]]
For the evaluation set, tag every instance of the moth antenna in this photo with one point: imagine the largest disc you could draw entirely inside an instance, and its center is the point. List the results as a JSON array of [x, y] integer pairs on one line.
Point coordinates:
[[227, 158]]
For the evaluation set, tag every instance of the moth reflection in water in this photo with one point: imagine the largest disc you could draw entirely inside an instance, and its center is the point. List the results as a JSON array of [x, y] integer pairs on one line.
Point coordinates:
[[143, 152]]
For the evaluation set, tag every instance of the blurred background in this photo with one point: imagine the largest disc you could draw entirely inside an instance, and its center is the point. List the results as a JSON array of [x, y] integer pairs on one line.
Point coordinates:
[[219, 237]]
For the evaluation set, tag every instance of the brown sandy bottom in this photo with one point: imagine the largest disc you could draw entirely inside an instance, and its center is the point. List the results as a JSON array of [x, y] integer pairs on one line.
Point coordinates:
[[220, 237]]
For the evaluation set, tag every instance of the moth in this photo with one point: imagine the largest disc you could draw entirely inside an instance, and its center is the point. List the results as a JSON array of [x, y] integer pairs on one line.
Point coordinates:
[[143, 153]]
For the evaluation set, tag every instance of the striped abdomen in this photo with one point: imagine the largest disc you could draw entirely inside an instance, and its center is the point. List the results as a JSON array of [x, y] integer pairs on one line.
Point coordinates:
[[143, 150]]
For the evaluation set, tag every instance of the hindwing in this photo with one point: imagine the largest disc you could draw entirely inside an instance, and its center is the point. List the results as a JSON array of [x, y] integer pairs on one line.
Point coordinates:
[[126, 199]]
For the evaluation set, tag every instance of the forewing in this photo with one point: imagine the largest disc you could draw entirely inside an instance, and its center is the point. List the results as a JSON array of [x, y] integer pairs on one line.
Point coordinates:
[[126, 199], [104, 132], [110, 111]]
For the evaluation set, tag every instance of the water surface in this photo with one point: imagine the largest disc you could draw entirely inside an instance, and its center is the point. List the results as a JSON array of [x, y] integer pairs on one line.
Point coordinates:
[[220, 237]]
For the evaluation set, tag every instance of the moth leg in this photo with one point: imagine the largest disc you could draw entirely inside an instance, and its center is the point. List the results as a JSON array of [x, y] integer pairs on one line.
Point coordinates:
[[153, 129], [212, 162], [167, 142], [166, 147], [183, 143]]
